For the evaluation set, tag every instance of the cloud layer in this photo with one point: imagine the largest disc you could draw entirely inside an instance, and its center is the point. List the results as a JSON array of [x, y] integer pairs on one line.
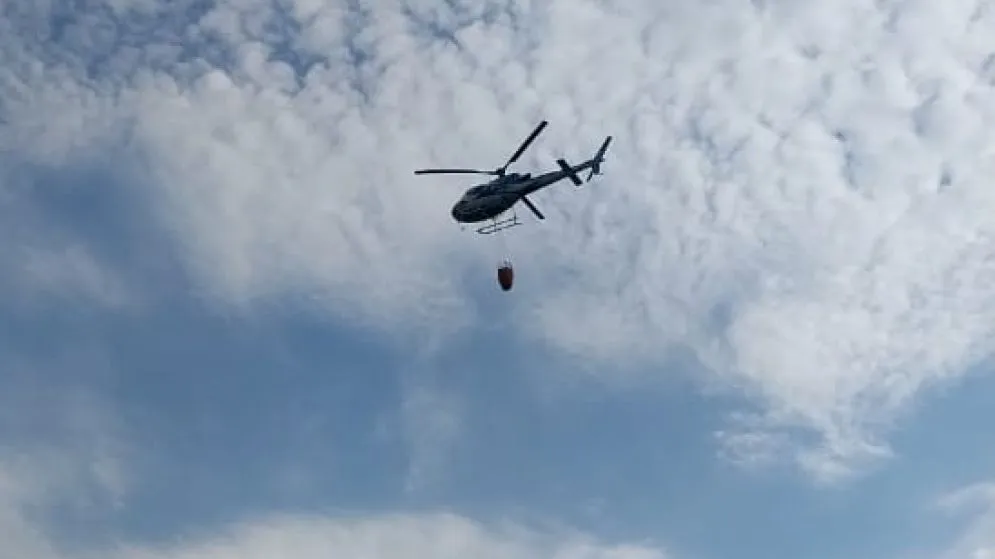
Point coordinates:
[[72, 479], [428, 535], [977, 541], [419, 537], [798, 192], [37, 483]]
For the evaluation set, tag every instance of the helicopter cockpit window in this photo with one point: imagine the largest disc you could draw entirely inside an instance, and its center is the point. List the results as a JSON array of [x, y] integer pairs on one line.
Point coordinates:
[[476, 191]]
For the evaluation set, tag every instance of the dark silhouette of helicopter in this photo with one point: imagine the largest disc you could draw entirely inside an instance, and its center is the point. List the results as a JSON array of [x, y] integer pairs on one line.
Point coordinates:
[[489, 200]]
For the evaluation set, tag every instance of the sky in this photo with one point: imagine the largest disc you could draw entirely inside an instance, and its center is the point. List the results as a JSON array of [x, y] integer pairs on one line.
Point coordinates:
[[235, 325]]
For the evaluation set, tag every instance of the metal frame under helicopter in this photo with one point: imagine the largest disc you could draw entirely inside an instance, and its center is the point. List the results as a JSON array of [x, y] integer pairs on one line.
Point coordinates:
[[500, 225]]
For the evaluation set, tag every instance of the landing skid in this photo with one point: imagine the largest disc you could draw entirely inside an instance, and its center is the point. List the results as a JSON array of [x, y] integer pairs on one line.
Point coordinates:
[[496, 225]]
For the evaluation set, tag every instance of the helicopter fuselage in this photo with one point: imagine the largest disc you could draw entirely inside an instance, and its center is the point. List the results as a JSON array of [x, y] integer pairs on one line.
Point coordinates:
[[487, 201], [491, 199]]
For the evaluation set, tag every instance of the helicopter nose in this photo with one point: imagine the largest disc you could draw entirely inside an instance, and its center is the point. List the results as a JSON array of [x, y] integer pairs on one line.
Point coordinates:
[[457, 211]]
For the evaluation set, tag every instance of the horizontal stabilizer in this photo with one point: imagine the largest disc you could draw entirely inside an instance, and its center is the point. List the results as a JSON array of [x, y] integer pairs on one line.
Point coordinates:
[[569, 171]]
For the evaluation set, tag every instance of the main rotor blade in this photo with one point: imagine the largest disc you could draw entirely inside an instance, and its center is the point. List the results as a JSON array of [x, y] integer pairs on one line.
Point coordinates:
[[532, 207], [452, 172], [528, 141]]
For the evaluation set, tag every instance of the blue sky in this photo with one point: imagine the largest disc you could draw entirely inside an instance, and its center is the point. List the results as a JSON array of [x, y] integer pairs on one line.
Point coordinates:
[[233, 321]]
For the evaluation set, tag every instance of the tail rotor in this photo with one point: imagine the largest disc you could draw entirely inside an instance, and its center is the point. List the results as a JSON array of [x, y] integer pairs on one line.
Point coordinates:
[[598, 159]]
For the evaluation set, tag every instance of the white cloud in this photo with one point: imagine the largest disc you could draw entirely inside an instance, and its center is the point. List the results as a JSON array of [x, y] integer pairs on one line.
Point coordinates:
[[415, 536], [59, 445], [432, 423], [978, 538], [33, 275], [35, 480], [798, 191], [64, 458], [29, 484], [41, 262]]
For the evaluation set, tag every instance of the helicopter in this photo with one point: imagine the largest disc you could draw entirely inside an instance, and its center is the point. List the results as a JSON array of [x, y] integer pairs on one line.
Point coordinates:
[[490, 200]]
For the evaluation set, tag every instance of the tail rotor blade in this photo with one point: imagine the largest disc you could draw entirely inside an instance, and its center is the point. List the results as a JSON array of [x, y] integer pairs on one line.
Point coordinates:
[[599, 158]]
